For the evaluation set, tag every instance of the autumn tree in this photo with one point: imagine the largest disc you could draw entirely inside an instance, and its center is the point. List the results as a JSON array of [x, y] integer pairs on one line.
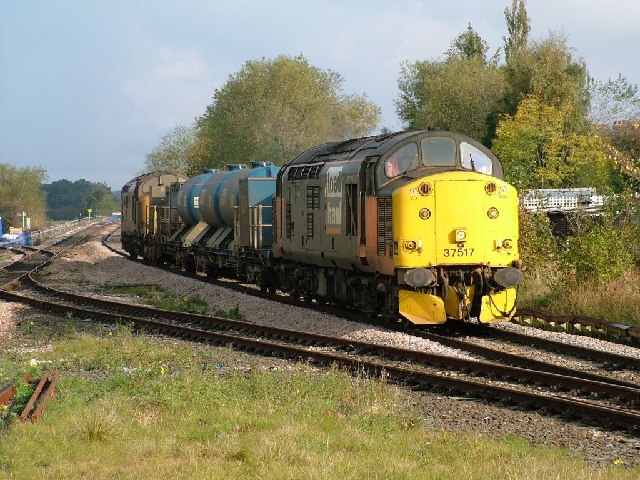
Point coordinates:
[[537, 152], [20, 192], [548, 70], [518, 27], [176, 151], [272, 110], [455, 94], [468, 46]]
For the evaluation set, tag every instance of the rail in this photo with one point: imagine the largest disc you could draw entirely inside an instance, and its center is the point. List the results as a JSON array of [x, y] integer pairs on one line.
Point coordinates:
[[39, 236], [577, 324]]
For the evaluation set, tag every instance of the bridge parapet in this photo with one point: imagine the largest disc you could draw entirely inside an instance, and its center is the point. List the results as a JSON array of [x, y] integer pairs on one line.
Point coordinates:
[[562, 200]]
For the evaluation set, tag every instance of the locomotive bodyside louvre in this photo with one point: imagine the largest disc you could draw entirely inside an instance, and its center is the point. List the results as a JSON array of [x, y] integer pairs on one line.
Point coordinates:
[[318, 215]]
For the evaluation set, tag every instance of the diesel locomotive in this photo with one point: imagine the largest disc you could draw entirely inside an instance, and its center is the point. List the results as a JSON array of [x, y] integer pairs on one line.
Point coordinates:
[[415, 226]]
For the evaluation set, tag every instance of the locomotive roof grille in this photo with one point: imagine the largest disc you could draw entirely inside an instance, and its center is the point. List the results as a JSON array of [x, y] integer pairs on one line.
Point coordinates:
[[376, 146], [349, 145], [304, 172]]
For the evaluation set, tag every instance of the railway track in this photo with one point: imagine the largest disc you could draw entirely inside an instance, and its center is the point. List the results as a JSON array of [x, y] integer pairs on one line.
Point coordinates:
[[12, 273], [493, 355], [450, 337], [579, 325], [611, 359], [547, 372], [32, 258], [607, 415], [596, 400]]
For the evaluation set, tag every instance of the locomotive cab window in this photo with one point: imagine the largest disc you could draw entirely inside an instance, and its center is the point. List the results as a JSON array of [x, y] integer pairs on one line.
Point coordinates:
[[405, 159], [438, 152], [472, 158]]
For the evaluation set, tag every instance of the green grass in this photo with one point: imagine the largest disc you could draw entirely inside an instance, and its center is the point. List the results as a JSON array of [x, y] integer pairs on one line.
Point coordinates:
[[617, 301], [10, 412], [160, 297], [128, 407]]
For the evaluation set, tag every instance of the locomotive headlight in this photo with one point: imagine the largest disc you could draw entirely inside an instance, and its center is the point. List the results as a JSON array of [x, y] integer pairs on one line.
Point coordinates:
[[507, 243], [493, 213], [461, 234], [425, 213], [409, 245], [425, 188]]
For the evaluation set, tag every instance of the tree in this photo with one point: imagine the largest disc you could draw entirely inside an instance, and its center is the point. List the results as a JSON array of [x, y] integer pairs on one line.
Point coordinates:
[[538, 152], [20, 192], [615, 112], [468, 46], [463, 93], [547, 70], [67, 200], [623, 139], [518, 27], [100, 200], [613, 101], [175, 151], [273, 109], [457, 94]]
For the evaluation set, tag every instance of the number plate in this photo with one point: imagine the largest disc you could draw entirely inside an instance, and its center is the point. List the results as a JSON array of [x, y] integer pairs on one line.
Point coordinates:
[[458, 252]]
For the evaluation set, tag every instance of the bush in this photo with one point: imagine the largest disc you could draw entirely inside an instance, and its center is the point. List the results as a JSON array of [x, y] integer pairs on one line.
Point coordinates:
[[598, 254], [593, 272], [539, 254], [537, 244]]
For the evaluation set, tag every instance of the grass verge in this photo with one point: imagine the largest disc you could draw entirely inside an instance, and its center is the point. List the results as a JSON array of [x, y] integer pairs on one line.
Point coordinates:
[[130, 407]]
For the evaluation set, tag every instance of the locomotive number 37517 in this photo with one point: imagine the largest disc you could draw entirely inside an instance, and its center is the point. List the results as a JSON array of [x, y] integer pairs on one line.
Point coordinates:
[[458, 252]]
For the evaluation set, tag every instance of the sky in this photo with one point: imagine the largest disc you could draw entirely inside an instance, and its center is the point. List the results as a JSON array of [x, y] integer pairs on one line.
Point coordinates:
[[88, 88]]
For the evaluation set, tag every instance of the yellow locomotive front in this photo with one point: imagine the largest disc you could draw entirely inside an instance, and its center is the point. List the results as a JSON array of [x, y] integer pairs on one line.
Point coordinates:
[[455, 235]]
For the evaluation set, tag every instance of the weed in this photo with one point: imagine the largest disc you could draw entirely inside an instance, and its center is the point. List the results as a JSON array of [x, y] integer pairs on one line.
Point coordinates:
[[597, 254], [161, 298], [257, 423], [28, 327], [194, 305], [96, 429], [233, 313], [9, 413], [69, 326]]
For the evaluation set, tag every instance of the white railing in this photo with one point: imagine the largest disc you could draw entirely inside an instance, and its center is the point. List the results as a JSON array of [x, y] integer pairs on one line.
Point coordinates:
[[565, 200]]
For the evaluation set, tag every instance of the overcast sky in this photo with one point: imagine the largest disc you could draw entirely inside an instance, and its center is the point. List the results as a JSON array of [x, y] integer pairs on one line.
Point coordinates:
[[88, 88]]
